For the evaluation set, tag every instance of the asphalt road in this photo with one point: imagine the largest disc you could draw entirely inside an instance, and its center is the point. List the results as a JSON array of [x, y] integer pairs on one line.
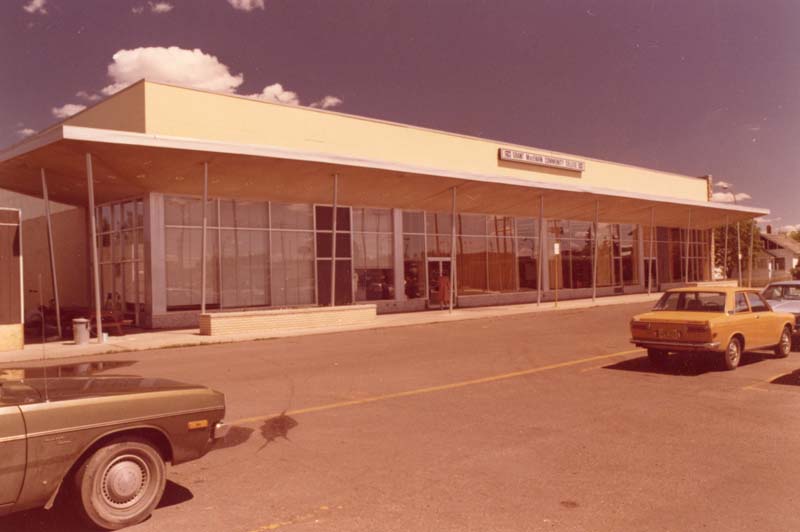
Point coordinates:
[[536, 422]]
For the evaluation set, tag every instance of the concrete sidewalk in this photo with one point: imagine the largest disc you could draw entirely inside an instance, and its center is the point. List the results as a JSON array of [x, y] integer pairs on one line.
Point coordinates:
[[159, 339]]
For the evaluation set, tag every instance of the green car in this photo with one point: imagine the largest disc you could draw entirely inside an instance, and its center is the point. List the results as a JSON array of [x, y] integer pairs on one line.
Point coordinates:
[[101, 441]]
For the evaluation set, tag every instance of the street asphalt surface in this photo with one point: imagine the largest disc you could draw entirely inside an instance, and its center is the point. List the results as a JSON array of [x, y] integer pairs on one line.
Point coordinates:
[[538, 422]]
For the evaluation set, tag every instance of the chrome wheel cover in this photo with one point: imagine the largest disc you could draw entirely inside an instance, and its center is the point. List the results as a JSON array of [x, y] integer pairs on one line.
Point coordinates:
[[125, 481], [733, 353], [786, 342]]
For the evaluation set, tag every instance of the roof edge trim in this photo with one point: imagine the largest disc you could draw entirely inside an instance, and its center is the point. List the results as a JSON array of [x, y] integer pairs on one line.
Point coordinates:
[[37, 141], [162, 141]]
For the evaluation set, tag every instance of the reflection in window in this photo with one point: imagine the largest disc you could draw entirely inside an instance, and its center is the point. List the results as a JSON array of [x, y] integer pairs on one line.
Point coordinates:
[[373, 257], [292, 279], [471, 265], [182, 249], [528, 263], [414, 266]]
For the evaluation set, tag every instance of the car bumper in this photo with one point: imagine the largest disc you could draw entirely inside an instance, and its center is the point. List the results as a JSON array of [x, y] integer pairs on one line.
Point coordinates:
[[221, 430], [668, 345]]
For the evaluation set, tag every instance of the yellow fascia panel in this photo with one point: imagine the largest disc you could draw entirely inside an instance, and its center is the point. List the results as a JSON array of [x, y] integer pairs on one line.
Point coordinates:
[[181, 112], [124, 111]]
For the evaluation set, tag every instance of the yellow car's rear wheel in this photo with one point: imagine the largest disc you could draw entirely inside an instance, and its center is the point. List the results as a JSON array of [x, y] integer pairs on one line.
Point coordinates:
[[784, 347], [732, 354]]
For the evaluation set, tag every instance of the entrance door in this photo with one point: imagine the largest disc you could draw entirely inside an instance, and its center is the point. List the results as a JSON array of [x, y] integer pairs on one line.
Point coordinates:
[[438, 267]]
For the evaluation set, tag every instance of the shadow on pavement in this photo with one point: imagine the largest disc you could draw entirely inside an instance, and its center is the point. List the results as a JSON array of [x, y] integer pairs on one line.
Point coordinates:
[[684, 364], [62, 518], [174, 494], [791, 379]]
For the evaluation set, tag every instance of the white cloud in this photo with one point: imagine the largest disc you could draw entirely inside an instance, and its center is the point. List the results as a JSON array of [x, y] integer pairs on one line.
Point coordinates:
[[161, 7], [188, 68], [67, 110], [327, 102], [722, 184], [727, 197], [276, 93], [91, 97], [36, 6], [25, 132], [789, 228], [155, 7], [247, 5]]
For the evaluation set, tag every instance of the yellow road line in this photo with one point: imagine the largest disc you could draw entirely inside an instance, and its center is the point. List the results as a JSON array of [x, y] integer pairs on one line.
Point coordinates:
[[311, 516], [431, 389], [756, 385]]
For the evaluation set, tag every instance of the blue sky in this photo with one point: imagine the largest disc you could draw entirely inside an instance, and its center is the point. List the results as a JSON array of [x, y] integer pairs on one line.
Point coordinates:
[[707, 87]]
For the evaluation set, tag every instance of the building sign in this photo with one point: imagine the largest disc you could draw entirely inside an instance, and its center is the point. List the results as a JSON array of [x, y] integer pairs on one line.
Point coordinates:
[[526, 157]]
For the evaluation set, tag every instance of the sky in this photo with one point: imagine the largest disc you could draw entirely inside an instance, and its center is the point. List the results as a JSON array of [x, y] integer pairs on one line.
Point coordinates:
[[695, 87]]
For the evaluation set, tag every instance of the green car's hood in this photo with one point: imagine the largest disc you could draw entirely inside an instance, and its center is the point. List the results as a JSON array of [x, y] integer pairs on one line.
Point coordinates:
[[64, 388]]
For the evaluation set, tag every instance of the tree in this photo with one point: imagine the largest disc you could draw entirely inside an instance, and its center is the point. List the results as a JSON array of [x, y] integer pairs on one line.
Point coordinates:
[[745, 229]]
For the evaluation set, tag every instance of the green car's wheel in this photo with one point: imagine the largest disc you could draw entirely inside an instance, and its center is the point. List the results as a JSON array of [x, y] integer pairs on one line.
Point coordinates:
[[784, 347], [657, 357], [733, 354], [120, 484]]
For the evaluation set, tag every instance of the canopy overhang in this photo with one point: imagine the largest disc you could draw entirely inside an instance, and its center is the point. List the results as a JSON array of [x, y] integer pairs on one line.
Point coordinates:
[[128, 164]]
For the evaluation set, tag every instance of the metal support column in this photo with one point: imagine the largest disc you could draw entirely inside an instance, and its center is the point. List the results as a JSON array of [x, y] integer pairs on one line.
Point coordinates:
[[52, 253], [739, 252], [594, 249], [333, 238], [750, 255], [650, 258], [725, 254], [453, 252], [688, 240], [540, 272], [95, 262], [203, 241]]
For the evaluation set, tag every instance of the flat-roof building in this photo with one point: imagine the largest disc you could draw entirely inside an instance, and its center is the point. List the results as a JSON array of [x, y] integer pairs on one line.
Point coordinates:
[[420, 214]]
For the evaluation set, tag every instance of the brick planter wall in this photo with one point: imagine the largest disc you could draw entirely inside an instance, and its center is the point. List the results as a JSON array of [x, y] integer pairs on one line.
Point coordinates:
[[249, 322]]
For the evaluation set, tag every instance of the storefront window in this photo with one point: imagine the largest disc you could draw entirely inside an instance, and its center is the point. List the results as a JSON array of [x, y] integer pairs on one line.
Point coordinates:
[[528, 263], [373, 257], [292, 279], [120, 246], [183, 253], [502, 274], [471, 266], [414, 265], [292, 254], [292, 216]]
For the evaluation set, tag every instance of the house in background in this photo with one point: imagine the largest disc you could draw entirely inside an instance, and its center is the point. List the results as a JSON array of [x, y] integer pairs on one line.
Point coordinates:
[[780, 256]]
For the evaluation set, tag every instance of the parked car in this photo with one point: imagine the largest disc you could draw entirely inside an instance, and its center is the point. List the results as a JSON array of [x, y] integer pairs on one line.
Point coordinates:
[[100, 441], [784, 297], [720, 320]]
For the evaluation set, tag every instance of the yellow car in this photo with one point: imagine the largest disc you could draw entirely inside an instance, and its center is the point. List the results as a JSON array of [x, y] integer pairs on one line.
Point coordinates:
[[721, 320]]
